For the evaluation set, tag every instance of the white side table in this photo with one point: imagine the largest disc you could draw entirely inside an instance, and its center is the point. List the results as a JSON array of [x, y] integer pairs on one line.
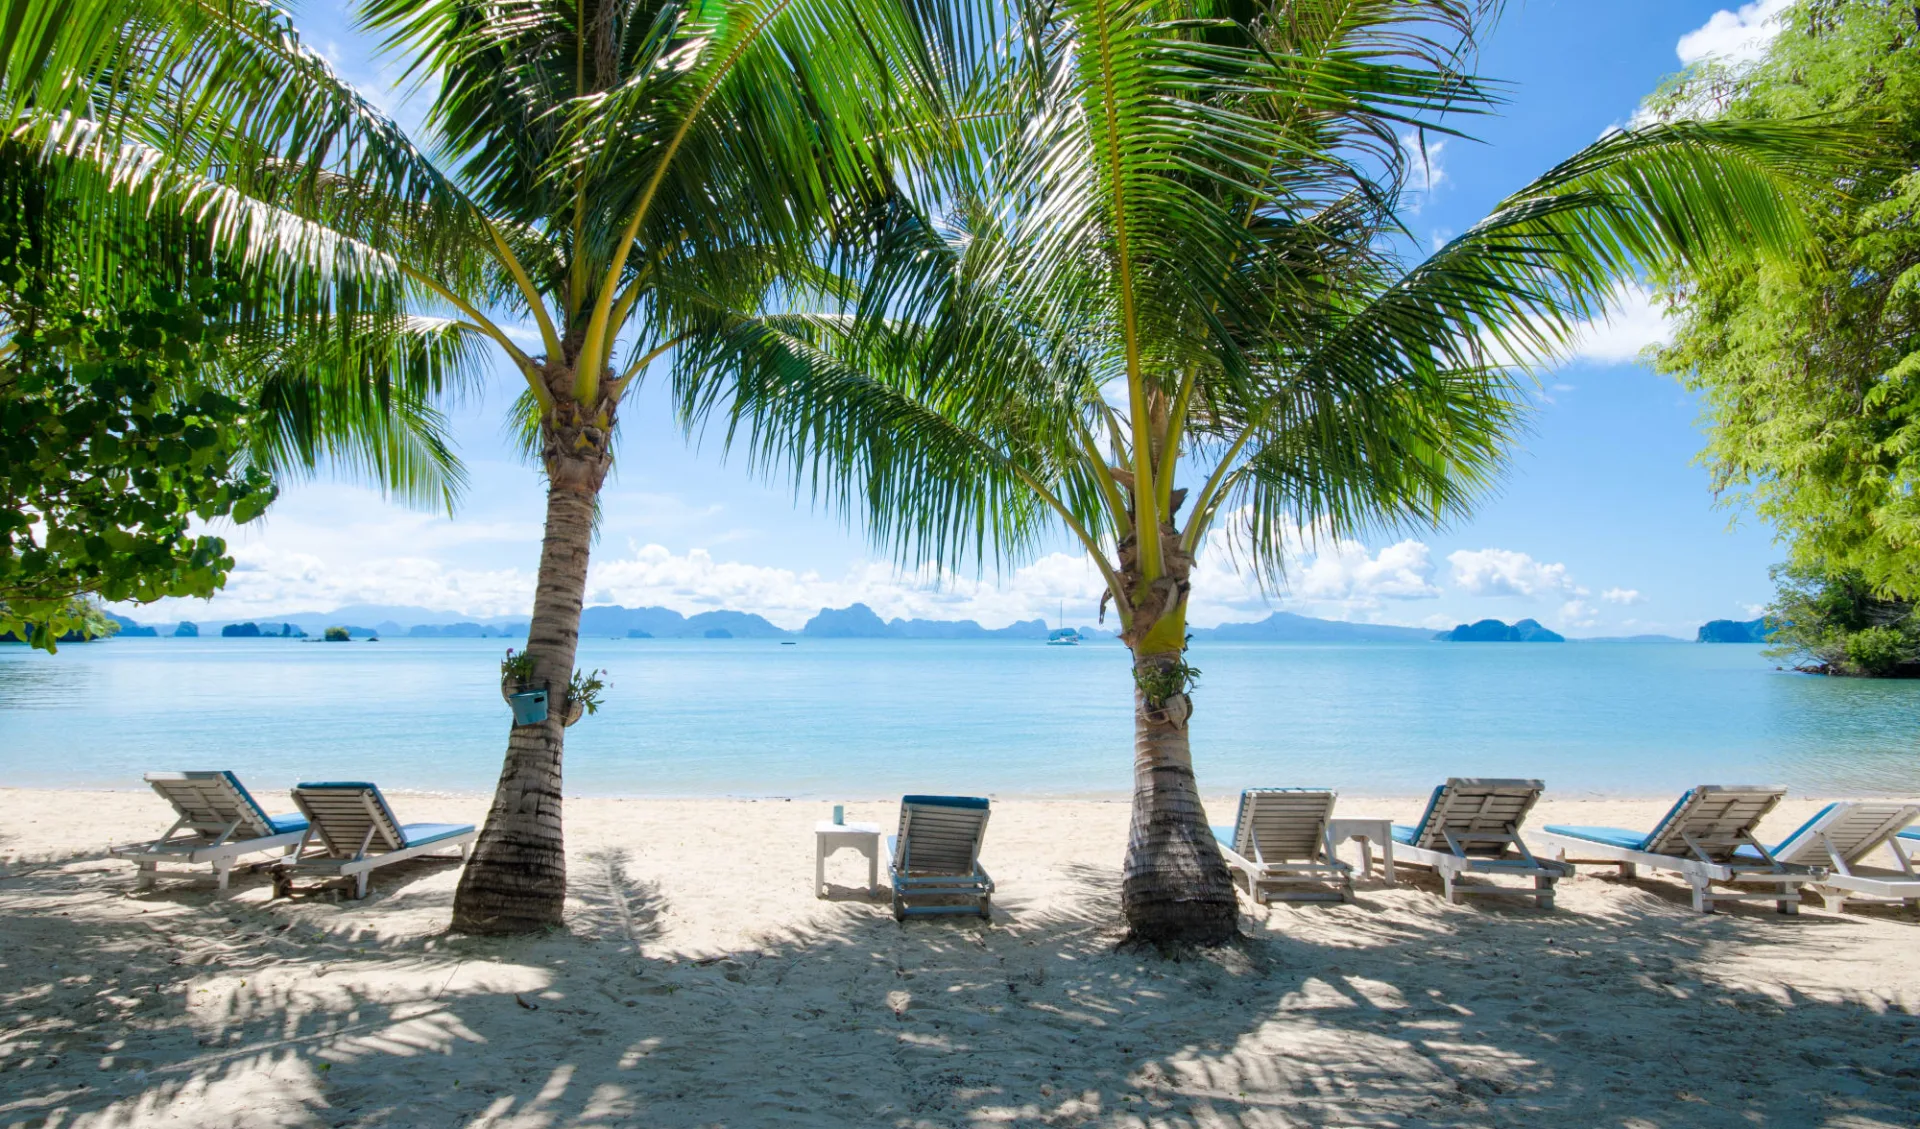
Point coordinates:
[[830, 837], [1371, 833]]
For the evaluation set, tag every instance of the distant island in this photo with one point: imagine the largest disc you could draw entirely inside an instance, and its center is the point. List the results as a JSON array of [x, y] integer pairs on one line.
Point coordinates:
[[1734, 631], [858, 621], [1497, 631], [1286, 627]]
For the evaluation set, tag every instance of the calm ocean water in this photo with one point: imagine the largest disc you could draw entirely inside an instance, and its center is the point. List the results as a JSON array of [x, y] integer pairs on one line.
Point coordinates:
[[857, 718]]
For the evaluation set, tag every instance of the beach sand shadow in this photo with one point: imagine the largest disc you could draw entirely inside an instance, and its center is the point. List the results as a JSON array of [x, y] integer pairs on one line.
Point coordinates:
[[1405, 1012]]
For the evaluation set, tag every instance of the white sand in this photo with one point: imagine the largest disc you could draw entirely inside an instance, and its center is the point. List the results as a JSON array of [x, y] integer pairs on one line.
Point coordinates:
[[700, 983]]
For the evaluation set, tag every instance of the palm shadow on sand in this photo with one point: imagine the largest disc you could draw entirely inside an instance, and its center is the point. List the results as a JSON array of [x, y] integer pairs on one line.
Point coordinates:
[[1400, 1011]]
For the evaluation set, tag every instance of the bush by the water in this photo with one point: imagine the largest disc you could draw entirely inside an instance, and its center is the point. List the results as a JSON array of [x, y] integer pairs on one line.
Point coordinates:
[[1839, 625], [338, 635]]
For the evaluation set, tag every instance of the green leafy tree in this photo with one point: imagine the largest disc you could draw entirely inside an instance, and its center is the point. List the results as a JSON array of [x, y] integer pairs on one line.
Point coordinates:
[[1808, 364], [1161, 293], [164, 358]]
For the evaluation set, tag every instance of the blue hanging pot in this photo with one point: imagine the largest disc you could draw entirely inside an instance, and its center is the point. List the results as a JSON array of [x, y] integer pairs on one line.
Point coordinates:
[[529, 707]]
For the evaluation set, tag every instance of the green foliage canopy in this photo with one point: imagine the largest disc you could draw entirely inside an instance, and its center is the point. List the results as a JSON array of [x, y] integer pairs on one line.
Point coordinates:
[[1809, 365]]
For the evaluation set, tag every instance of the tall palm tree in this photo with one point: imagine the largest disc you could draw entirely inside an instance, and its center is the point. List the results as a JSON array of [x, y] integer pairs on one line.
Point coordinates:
[[597, 170], [1167, 297]]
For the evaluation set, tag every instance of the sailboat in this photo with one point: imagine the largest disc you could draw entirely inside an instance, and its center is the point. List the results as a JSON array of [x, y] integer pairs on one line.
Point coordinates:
[[1063, 636]]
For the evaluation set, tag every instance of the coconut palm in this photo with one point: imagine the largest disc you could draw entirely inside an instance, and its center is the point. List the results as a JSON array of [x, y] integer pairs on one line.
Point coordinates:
[[598, 168], [1169, 298]]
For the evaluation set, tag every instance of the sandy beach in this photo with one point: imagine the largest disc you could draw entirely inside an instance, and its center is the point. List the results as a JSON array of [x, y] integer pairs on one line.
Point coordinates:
[[699, 982]]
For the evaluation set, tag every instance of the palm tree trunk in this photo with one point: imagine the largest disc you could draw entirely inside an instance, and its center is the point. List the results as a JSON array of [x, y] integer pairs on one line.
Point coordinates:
[[516, 881], [1175, 888]]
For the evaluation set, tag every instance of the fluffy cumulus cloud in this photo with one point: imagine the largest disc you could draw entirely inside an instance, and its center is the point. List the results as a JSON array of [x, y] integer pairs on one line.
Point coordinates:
[[1578, 614], [1322, 575], [1738, 35], [1504, 572], [1623, 596]]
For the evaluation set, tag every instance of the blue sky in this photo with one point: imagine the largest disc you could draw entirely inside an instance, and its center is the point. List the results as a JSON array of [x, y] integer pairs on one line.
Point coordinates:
[[1604, 525]]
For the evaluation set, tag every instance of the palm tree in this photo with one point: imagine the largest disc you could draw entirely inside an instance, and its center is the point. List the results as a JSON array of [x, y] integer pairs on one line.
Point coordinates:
[[603, 172], [1168, 297]]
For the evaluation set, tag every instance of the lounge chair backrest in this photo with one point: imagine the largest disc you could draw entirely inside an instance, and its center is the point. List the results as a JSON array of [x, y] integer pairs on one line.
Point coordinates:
[[1474, 806], [1278, 824], [210, 801], [940, 835], [1718, 818], [1855, 828], [342, 814]]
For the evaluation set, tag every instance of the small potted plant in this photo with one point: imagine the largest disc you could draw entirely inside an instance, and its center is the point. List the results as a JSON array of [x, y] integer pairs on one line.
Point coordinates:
[[529, 704], [583, 695]]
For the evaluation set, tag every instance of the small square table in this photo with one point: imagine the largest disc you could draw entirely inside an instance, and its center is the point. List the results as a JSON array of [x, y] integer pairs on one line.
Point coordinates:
[[831, 837], [1370, 832]]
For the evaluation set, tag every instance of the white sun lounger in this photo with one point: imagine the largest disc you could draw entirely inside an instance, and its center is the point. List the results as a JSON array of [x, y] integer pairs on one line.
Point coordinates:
[[219, 821], [937, 855], [1706, 838], [1843, 836], [1472, 826], [1278, 847], [354, 832]]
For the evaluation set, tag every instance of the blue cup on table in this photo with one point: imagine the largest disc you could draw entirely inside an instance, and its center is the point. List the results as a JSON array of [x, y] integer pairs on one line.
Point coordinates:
[[839, 814]]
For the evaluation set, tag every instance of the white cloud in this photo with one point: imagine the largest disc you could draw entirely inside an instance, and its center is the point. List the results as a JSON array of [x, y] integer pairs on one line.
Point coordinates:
[[1578, 613], [1324, 575], [1503, 572], [1623, 596], [1630, 325], [1738, 36], [1346, 571]]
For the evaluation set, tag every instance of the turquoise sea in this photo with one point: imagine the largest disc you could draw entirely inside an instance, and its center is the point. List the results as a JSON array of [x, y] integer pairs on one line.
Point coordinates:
[[856, 718]]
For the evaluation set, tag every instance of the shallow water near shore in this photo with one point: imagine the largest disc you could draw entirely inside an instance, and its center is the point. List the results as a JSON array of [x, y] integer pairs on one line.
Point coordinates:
[[860, 718]]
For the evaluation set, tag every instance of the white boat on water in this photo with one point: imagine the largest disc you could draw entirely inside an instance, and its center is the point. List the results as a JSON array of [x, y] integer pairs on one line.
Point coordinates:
[[1063, 636]]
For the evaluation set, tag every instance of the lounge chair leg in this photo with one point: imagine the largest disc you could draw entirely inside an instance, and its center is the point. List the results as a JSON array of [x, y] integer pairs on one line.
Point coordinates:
[[986, 908], [899, 907], [1702, 902], [1629, 870], [360, 885], [144, 880], [1543, 899], [1788, 906], [1446, 883], [1346, 891]]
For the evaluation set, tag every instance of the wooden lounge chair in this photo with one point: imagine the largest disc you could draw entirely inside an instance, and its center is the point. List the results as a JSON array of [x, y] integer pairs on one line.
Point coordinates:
[[1278, 847], [354, 832], [1707, 839], [219, 822], [936, 856], [1843, 836], [1472, 826]]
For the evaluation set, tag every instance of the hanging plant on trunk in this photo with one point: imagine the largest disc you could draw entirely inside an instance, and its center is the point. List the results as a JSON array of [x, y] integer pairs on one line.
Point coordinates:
[[1167, 257]]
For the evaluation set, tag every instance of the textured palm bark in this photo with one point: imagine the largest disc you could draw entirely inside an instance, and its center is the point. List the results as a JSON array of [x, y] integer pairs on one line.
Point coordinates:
[[516, 881], [1175, 888]]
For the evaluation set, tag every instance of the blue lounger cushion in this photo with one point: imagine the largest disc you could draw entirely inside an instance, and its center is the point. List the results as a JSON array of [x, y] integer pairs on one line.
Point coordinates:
[[411, 834], [281, 824], [1611, 836], [420, 834], [1912, 833], [1404, 834], [946, 801]]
